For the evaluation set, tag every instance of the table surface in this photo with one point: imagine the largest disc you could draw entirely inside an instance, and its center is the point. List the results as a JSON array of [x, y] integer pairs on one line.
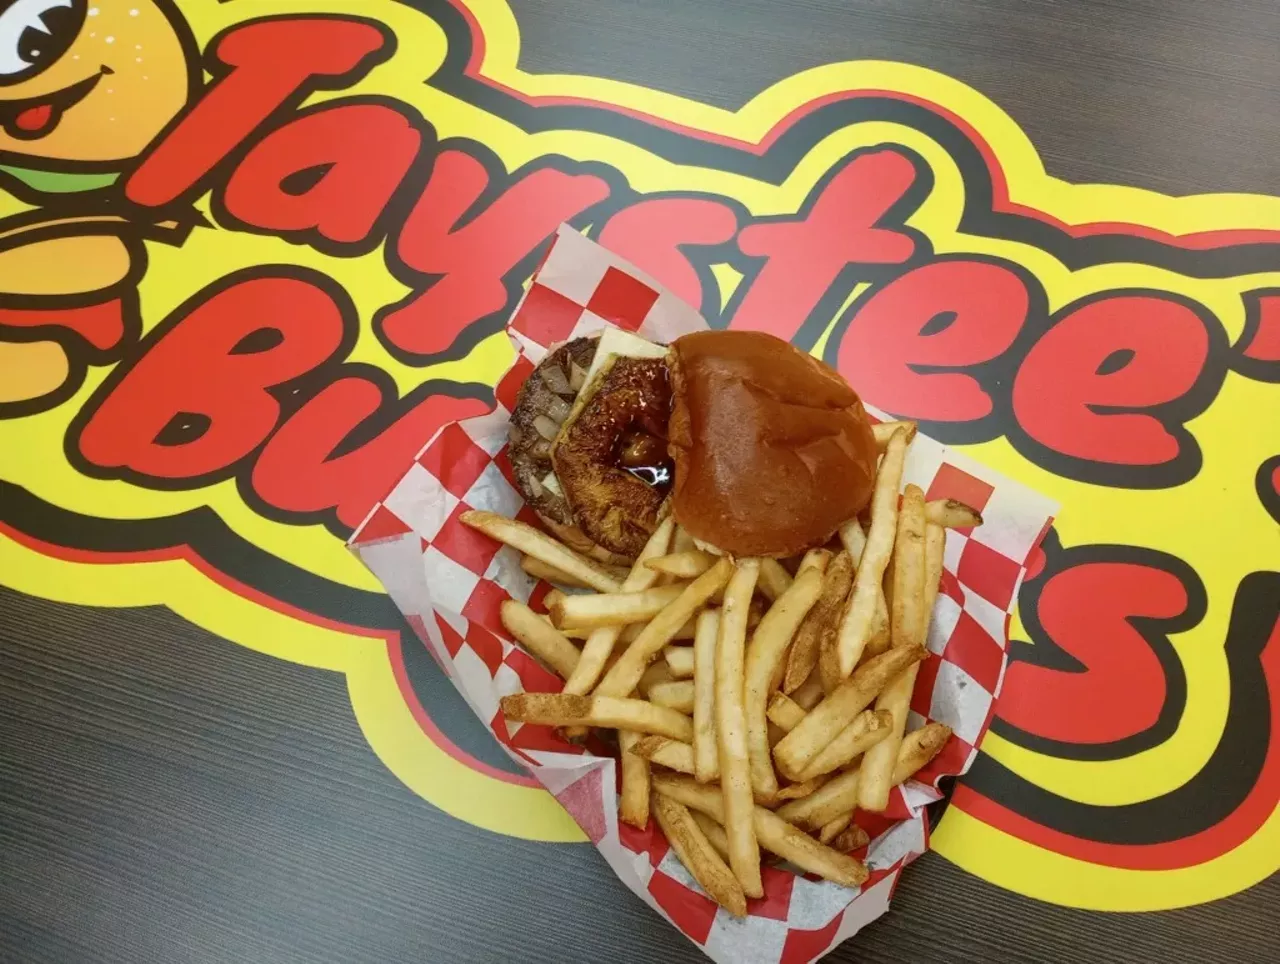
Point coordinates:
[[168, 796]]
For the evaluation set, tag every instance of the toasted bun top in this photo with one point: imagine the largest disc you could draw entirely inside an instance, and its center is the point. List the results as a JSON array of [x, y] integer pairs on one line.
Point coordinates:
[[772, 448]]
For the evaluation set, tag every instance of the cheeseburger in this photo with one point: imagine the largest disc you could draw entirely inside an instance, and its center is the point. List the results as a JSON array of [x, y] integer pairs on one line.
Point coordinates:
[[756, 447]]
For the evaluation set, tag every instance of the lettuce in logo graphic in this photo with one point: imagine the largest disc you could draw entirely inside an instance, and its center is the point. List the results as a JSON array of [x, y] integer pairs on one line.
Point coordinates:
[[252, 256]]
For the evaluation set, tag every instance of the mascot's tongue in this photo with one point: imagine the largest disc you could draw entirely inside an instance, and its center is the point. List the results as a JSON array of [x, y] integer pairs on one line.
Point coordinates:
[[34, 118]]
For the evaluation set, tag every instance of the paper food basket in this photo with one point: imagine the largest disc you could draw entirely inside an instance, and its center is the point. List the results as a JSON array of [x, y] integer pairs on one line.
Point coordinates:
[[449, 581]]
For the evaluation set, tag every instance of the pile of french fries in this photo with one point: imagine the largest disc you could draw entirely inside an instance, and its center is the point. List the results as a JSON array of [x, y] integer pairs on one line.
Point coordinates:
[[755, 709]]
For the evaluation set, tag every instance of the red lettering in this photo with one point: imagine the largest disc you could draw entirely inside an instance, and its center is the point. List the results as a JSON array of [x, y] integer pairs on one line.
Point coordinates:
[[1260, 341], [805, 255], [101, 325], [198, 400], [652, 233], [298, 472], [1117, 689], [271, 61], [470, 261], [1123, 352], [351, 158], [978, 307]]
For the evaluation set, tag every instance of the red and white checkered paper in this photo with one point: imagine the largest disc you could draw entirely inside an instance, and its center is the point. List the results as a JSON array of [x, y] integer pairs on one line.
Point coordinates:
[[450, 581]]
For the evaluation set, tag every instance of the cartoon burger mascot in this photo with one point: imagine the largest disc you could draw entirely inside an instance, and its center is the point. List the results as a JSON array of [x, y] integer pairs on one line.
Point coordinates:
[[85, 86]]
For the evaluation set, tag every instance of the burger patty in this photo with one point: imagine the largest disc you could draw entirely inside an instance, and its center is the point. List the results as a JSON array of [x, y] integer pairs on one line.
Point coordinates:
[[542, 406], [617, 501]]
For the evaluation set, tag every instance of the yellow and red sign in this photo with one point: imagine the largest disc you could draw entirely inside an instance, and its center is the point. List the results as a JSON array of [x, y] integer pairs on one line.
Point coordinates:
[[253, 253]]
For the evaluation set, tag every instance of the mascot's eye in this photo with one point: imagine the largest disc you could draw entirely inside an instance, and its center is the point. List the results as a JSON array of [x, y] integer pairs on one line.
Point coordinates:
[[35, 33]]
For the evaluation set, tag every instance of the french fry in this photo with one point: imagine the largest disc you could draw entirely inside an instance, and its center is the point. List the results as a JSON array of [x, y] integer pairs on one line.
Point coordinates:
[[774, 579], [785, 712], [909, 619], [679, 661], [837, 796], [630, 632], [539, 638], [935, 546], [820, 622], [567, 709], [825, 721], [592, 610], [849, 839], [533, 542], [764, 655], [952, 514], [867, 729], [715, 834], [833, 828], [665, 752], [699, 855], [854, 540], [918, 748], [541, 570], [796, 791], [809, 694], [774, 834], [731, 729], [683, 565], [706, 753], [676, 694], [885, 431], [626, 672], [817, 559], [633, 802], [855, 628], [682, 541], [600, 643]]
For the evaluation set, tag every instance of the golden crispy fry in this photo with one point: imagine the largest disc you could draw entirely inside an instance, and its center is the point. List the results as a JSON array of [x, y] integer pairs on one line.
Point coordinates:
[[909, 619], [833, 828], [630, 632], [785, 712], [834, 798], [677, 695], [855, 628], [764, 655], [825, 721], [815, 559], [952, 514], [541, 570], [796, 791], [600, 643], [850, 839], [679, 661], [867, 729], [854, 540], [698, 854], [809, 694], [821, 622], [567, 709], [626, 672], [665, 752], [592, 610], [539, 638], [884, 432], [774, 834], [715, 834], [907, 613], [935, 545], [918, 748], [633, 803], [682, 541], [731, 728], [774, 579], [683, 565], [533, 542], [706, 753]]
